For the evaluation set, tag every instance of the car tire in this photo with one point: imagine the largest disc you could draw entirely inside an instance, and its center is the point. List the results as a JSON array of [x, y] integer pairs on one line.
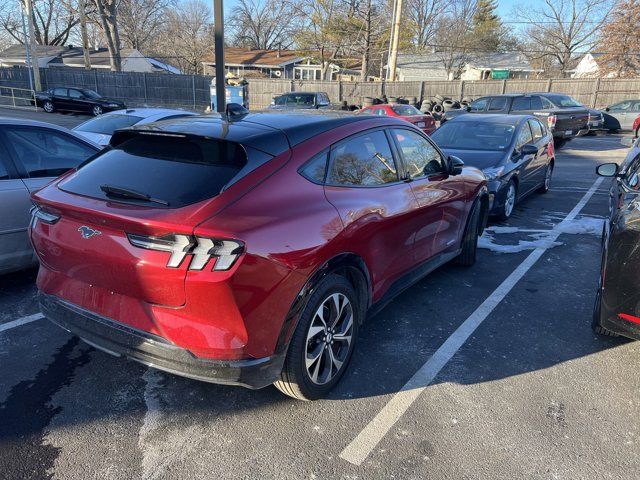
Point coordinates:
[[308, 379], [509, 202], [597, 328], [96, 110], [546, 183], [470, 241], [637, 132], [48, 106]]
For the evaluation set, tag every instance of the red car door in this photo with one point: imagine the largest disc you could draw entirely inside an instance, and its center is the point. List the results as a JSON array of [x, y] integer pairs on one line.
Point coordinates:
[[440, 196], [377, 208]]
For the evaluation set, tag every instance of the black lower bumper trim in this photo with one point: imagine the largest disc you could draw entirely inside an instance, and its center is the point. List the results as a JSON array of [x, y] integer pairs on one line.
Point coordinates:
[[122, 340]]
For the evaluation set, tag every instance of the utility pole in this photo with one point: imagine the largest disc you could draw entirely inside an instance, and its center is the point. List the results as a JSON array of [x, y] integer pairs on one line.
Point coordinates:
[[83, 31], [395, 40], [26, 46], [32, 47], [221, 91]]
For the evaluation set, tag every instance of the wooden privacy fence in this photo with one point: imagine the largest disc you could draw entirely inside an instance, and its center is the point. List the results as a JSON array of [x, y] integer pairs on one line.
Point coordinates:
[[192, 91]]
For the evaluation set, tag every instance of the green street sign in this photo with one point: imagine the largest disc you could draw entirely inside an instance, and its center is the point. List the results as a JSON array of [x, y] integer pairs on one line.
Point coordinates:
[[499, 74]]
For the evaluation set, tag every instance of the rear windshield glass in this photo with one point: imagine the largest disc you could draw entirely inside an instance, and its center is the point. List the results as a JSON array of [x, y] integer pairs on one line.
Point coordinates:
[[563, 101], [174, 171], [405, 110], [107, 124], [474, 136]]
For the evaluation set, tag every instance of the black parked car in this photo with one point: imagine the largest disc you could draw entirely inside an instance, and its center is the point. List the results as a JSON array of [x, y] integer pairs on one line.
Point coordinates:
[[301, 100], [617, 306], [564, 116], [515, 152], [76, 100]]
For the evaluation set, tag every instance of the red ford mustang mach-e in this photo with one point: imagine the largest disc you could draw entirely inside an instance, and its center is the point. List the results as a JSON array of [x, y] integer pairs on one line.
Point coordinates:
[[249, 252]]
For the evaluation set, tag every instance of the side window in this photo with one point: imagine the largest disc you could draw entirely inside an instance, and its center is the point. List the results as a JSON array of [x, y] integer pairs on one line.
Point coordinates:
[[46, 153], [381, 111], [365, 160], [546, 104], [631, 177], [420, 157], [524, 136], [74, 93], [497, 104], [316, 168], [536, 130], [479, 105], [636, 107], [621, 107], [536, 103], [4, 174], [543, 127], [521, 103], [60, 92]]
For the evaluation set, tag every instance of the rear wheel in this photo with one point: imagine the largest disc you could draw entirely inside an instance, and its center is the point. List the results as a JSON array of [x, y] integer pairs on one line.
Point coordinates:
[[323, 341], [546, 184], [96, 110], [597, 327], [48, 107], [470, 241]]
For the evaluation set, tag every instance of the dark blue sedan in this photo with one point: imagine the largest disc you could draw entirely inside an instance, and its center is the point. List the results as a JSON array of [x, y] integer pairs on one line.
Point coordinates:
[[515, 152]]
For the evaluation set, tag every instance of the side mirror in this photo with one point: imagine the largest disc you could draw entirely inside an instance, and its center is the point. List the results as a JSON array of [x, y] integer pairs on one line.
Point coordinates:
[[627, 141], [529, 149], [468, 108], [235, 109], [607, 169], [607, 109], [455, 165]]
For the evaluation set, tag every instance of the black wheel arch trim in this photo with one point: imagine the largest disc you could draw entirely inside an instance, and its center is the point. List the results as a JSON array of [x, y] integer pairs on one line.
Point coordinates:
[[345, 261]]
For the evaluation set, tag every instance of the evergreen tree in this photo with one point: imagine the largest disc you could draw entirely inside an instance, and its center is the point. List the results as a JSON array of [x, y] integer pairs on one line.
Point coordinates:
[[487, 30]]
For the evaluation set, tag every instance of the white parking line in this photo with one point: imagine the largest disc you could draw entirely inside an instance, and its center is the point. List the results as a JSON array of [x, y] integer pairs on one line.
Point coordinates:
[[360, 448], [20, 321]]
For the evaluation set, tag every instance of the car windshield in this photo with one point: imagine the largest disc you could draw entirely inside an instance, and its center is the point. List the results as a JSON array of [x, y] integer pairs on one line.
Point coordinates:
[[474, 135], [405, 110], [90, 93], [296, 99], [563, 101], [107, 124]]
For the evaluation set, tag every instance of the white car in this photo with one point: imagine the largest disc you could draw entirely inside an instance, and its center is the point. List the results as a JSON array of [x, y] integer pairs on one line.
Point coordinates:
[[100, 129]]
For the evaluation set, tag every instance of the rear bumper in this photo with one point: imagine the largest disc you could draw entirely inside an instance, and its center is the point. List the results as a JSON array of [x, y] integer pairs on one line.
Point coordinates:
[[152, 350], [622, 327]]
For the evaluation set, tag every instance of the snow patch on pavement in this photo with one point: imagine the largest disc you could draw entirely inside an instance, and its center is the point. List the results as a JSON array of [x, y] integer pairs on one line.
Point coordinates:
[[584, 225]]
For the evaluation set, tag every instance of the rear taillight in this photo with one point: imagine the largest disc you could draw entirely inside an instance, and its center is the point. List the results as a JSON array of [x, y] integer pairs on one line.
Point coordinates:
[[551, 121], [39, 214], [202, 249]]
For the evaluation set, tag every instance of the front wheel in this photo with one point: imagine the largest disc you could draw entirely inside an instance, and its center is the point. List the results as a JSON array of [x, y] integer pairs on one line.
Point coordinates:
[[467, 256], [48, 106], [323, 341], [96, 110], [509, 201]]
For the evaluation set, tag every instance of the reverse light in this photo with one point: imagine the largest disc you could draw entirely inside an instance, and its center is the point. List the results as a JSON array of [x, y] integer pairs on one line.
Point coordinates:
[[551, 121], [225, 252]]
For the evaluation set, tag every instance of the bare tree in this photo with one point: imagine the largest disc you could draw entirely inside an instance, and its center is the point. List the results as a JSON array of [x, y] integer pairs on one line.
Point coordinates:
[[187, 37], [107, 12], [620, 40], [560, 28], [454, 43], [140, 21], [423, 16], [263, 24], [53, 21]]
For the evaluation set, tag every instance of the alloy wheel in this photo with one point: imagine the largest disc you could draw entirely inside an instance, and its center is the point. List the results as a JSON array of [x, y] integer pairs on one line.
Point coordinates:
[[48, 107], [329, 338], [510, 201], [97, 110]]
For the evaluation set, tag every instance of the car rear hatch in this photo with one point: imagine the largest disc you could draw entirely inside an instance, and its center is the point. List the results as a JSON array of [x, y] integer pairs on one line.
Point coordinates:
[[421, 121], [571, 120], [122, 223]]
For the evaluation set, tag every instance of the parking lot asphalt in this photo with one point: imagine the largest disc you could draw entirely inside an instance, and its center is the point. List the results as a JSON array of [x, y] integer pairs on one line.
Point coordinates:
[[510, 381]]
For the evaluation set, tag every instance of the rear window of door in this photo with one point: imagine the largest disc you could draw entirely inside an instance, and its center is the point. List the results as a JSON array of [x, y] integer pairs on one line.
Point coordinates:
[[420, 158], [46, 153], [521, 103], [362, 161], [60, 92], [75, 93], [178, 171], [479, 105], [497, 104], [536, 103]]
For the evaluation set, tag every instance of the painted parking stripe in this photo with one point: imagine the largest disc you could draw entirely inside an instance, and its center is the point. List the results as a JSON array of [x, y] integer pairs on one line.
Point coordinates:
[[20, 321], [360, 448]]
